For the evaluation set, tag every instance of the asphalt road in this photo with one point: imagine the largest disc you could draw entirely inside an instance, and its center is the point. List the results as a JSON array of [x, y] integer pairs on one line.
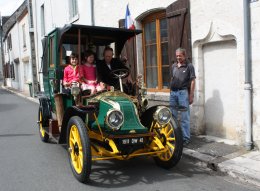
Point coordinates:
[[27, 164]]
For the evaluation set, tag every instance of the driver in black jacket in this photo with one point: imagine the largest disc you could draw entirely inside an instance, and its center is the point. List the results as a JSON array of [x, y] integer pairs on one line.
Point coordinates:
[[107, 65]]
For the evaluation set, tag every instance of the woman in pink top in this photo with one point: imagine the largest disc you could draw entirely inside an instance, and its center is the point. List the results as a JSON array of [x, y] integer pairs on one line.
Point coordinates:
[[72, 71], [89, 74]]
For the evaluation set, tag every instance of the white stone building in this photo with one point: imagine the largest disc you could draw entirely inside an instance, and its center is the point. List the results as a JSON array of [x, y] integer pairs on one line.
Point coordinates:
[[215, 43], [49, 14], [17, 50]]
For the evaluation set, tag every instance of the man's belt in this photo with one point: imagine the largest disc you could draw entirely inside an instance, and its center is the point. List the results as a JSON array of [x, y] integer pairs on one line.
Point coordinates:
[[178, 89]]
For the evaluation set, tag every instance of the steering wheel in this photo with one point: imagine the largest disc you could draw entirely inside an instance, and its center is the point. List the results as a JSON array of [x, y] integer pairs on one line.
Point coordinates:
[[120, 73]]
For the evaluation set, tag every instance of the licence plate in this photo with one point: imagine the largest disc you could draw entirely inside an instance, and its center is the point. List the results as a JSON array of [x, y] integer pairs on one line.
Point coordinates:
[[132, 141]]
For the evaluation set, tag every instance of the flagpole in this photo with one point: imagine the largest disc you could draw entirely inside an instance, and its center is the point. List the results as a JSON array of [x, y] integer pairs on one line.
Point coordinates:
[[135, 57]]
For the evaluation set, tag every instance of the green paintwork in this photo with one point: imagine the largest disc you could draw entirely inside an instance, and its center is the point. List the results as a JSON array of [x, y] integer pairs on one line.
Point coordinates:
[[131, 121], [52, 75]]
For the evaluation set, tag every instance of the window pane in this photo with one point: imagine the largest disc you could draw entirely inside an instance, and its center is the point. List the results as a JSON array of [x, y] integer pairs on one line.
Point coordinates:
[[151, 77], [150, 33], [164, 54], [166, 77], [151, 55], [163, 30], [52, 53]]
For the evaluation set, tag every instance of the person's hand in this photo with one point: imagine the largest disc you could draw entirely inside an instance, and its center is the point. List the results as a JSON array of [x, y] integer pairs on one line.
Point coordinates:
[[67, 84], [102, 85], [129, 79], [191, 98], [124, 59]]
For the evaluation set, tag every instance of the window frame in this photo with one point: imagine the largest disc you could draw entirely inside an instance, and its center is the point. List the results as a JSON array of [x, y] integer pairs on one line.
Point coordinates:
[[151, 18], [51, 52]]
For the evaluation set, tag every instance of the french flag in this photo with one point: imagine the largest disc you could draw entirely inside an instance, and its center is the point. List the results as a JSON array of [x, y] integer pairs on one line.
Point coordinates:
[[129, 23]]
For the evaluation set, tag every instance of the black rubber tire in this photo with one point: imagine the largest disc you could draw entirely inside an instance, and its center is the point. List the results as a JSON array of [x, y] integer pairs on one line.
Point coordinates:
[[42, 123], [177, 153], [77, 122]]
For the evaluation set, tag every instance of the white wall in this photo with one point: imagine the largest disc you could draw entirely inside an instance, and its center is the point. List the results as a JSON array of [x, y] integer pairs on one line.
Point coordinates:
[[218, 21], [25, 57], [107, 13], [56, 15], [14, 53]]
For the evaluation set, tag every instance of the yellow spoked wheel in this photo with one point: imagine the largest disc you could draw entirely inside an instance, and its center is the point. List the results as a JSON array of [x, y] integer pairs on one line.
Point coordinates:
[[76, 152], [79, 149], [41, 121], [171, 137]]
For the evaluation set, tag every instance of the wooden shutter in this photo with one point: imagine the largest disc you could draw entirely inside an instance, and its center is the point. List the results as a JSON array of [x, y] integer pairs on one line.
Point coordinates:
[[179, 33]]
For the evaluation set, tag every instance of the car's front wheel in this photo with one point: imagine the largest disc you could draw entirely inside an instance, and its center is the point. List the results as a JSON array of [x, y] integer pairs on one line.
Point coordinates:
[[79, 149], [171, 137]]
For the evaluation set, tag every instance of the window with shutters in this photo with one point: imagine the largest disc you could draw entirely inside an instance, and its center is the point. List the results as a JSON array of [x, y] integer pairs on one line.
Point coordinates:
[[155, 41]]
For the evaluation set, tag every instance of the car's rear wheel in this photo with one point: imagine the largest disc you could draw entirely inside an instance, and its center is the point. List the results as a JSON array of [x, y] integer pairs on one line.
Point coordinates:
[[171, 137], [79, 149], [42, 122]]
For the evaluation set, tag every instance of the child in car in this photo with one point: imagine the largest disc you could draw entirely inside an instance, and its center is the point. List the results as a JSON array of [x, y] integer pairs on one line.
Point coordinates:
[[89, 74], [71, 72]]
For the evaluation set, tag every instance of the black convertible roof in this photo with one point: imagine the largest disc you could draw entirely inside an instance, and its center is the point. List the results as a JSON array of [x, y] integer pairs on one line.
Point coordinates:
[[95, 35]]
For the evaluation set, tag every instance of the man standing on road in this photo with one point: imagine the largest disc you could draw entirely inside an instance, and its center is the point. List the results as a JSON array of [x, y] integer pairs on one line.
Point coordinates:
[[182, 90]]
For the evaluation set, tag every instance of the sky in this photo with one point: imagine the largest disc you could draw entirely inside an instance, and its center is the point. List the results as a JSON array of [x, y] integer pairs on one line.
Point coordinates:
[[7, 7]]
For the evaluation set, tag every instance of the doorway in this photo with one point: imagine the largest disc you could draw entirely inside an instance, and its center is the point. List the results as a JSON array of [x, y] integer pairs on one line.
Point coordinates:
[[221, 88]]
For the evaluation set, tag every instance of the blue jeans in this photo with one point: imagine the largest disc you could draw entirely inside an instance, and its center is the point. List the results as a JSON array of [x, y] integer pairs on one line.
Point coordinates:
[[181, 98]]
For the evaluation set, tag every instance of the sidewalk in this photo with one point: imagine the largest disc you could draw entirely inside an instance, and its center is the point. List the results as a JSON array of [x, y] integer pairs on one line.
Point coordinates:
[[224, 156], [20, 93], [212, 152]]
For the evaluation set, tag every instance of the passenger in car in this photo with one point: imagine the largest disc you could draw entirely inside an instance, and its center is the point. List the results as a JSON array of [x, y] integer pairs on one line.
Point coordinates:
[[72, 71], [89, 74], [107, 65]]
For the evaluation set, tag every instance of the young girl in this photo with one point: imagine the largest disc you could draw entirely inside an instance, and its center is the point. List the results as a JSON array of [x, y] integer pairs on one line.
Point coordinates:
[[89, 73], [71, 72]]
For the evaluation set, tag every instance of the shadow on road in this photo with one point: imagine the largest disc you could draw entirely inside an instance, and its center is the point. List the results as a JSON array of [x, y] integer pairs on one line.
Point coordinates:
[[7, 107], [115, 174]]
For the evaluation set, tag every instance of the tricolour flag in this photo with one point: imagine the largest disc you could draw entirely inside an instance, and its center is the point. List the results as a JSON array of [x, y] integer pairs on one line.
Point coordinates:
[[129, 23]]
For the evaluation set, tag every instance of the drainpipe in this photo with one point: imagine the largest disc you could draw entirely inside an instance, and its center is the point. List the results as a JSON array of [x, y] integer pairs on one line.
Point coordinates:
[[92, 12], [248, 81], [2, 48]]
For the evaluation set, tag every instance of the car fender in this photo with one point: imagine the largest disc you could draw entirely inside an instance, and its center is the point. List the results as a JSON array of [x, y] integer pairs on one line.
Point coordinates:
[[70, 112]]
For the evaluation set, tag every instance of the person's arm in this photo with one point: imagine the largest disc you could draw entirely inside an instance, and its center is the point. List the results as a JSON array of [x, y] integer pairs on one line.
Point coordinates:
[[192, 88], [65, 78], [123, 66], [99, 71]]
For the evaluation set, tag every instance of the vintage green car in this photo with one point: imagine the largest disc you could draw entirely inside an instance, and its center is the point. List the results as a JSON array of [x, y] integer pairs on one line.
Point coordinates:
[[108, 124]]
